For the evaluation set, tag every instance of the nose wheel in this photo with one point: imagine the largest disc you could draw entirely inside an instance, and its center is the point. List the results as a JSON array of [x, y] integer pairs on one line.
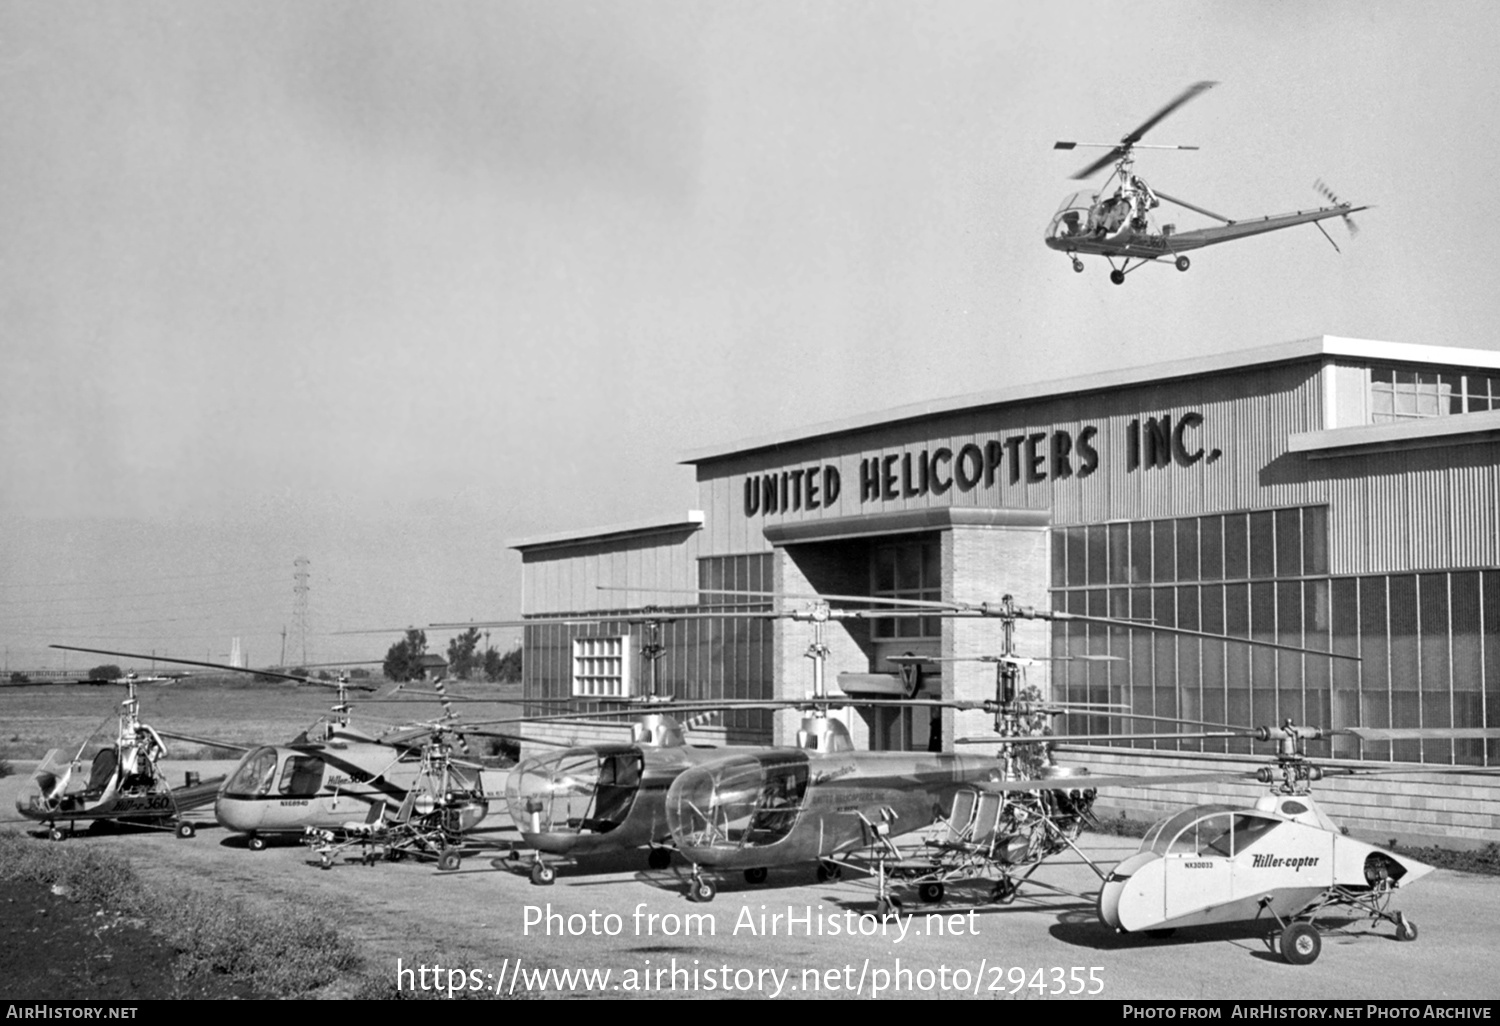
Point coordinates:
[[701, 888], [1117, 276], [1077, 265]]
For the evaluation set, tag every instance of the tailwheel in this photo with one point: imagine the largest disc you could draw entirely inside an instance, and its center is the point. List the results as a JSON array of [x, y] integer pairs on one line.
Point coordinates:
[[659, 858], [757, 875], [701, 889], [930, 892], [542, 874], [1183, 263], [1300, 944], [1406, 930], [1117, 276]]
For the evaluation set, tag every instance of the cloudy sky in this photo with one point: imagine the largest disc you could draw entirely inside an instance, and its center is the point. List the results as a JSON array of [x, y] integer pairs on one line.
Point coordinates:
[[388, 286]]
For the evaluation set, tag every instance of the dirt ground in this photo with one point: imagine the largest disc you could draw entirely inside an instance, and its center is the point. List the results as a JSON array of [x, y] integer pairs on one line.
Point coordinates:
[[486, 926]]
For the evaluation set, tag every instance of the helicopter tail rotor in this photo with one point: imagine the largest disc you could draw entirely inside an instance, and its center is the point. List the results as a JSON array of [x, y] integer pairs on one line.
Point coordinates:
[[1327, 193]]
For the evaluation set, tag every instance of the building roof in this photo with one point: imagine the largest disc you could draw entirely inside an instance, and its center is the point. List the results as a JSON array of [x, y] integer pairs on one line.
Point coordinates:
[[1318, 347], [692, 521]]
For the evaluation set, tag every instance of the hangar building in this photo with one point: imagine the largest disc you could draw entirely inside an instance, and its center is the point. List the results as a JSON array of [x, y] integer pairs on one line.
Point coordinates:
[[1331, 495]]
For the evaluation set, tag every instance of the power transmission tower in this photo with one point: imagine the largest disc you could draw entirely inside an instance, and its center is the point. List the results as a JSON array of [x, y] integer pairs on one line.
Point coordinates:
[[299, 604]]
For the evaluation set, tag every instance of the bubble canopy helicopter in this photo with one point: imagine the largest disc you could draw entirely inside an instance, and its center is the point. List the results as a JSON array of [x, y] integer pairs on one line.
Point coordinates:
[[750, 808], [1118, 225], [125, 783]]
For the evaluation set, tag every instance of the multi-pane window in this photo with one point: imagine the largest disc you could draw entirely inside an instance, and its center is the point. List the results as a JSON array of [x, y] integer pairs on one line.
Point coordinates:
[[907, 570], [601, 667], [1424, 648], [1398, 393]]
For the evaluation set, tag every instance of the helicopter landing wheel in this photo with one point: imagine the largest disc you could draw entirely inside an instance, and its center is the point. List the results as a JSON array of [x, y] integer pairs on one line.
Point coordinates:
[[888, 906], [55, 834], [1004, 892], [1077, 265], [1406, 930], [543, 875], [829, 871], [659, 858], [449, 860], [930, 893], [702, 890], [756, 875], [1118, 277], [1183, 263], [257, 843], [326, 863], [186, 830], [1300, 944]]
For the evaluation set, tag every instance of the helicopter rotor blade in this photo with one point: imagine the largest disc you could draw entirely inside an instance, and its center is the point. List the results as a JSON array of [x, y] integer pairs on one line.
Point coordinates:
[[1100, 164], [1151, 122]]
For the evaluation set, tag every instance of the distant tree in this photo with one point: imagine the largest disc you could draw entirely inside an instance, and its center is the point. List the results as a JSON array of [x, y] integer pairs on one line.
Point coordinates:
[[490, 665], [403, 661], [508, 667], [109, 671], [461, 658], [17, 677], [324, 675], [359, 673]]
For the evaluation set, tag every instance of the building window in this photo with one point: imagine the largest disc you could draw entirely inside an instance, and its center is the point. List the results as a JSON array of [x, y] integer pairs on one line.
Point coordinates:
[[907, 570], [1425, 642], [1398, 393], [601, 667]]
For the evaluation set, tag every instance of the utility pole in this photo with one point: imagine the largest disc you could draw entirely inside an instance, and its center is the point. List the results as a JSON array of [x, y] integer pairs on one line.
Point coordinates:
[[299, 604]]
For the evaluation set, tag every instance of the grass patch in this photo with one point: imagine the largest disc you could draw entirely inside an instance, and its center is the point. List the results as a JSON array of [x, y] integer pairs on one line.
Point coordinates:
[[291, 953]]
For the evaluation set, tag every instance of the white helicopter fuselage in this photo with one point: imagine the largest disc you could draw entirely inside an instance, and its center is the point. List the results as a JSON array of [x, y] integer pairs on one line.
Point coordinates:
[[1215, 864]]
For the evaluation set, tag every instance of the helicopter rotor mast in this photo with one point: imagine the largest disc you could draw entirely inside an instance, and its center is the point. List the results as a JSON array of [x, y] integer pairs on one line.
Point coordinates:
[[1120, 153]]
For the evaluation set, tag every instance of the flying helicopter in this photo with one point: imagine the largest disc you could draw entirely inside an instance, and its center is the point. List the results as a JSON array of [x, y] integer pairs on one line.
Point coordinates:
[[125, 783], [333, 773], [1119, 225]]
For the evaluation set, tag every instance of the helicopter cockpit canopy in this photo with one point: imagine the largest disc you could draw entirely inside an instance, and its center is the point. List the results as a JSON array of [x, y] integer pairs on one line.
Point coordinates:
[[1206, 830], [1072, 217], [301, 776], [747, 801], [583, 789]]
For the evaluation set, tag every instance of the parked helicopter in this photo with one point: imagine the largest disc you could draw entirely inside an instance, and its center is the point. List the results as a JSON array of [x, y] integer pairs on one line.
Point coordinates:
[[124, 785], [783, 806], [555, 800], [333, 773], [1118, 224], [1284, 858], [598, 799]]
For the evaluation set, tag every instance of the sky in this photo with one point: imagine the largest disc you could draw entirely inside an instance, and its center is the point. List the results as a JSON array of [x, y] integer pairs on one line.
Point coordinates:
[[390, 286]]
